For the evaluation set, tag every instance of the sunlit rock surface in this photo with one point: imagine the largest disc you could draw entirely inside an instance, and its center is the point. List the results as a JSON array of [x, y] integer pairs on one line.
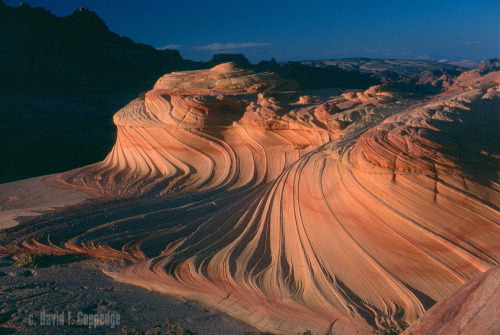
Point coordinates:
[[338, 214], [471, 309], [486, 76]]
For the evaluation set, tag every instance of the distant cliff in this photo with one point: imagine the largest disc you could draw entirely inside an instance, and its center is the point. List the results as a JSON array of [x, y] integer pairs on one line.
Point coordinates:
[[61, 80], [42, 50]]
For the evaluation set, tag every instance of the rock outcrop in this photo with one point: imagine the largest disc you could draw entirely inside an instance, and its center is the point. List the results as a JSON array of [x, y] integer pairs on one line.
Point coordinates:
[[224, 78], [337, 214], [486, 76], [471, 309], [203, 129]]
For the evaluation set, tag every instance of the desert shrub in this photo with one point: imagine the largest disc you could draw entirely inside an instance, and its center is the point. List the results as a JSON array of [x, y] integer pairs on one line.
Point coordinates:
[[38, 260], [28, 260], [170, 328]]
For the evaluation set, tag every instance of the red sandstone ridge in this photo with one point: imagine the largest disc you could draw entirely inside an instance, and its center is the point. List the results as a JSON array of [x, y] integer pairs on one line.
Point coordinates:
[[486, 76], [339, 214], [472, 309]]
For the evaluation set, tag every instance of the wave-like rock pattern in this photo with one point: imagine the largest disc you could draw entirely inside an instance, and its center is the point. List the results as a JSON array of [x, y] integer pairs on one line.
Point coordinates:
[[170, 142], [338, 216]]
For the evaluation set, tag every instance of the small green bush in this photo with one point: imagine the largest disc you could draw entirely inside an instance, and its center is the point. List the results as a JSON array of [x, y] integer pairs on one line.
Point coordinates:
[[27, 260]]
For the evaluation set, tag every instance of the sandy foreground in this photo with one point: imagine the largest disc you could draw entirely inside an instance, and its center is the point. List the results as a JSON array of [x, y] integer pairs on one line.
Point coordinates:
[[34, 196], [78, 288]]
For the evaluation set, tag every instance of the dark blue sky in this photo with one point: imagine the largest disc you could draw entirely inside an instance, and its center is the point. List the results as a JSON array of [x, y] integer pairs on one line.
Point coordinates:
[[303, 30]]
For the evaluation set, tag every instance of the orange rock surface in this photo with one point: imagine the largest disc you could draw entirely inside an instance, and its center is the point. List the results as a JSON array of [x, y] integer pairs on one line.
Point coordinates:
[[337, 214]]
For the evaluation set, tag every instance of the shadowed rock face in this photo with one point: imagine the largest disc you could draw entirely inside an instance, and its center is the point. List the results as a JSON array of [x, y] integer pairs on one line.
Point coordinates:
[[337, 214], [41, 52]]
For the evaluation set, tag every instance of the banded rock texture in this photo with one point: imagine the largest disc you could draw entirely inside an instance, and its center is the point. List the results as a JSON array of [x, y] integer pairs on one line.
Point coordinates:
[[336, 214], [171, 142], [223, 78]]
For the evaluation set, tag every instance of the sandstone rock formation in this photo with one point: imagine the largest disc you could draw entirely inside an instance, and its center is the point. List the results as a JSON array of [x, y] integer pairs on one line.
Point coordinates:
[[445, 81], [187, 135], [471, 309], [223, 78], [487, 75], [341, 216]]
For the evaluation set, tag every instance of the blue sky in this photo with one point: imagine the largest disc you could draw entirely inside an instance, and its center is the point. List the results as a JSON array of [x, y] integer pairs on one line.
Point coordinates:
[[303, 30]]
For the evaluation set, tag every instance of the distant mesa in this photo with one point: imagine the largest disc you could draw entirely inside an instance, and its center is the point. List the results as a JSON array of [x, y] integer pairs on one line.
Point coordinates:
[[490, 65], [403, 67]]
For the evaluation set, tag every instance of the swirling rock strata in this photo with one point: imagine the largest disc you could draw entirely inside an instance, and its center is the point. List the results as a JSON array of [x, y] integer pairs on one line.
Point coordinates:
[[338, 215], [184, 135]]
